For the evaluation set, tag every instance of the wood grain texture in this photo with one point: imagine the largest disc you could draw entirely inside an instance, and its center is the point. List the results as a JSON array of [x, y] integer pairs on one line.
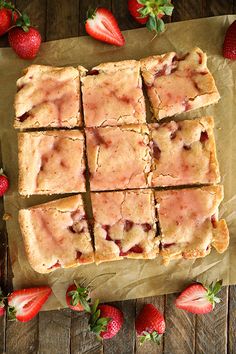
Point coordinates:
[[150, 347], [217, 7], [62, 19], [36, 10], [187, 10], [93, 4], [83, 341], [232, 320], [54, 332], [180, 329], [211, 329], [22, 337]]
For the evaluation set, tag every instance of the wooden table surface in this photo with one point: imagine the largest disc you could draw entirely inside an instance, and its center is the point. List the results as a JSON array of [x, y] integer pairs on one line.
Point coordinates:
[[64, 332]]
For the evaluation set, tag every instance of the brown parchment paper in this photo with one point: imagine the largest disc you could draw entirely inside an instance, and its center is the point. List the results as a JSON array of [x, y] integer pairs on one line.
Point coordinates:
[[129, 278]]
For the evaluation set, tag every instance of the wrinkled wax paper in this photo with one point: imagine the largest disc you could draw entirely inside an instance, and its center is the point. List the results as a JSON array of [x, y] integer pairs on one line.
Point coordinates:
[[129, 279]]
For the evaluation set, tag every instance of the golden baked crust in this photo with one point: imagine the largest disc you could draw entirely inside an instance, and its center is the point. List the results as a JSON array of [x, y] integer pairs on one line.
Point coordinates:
[[112, 94], [47, 164], [48, 97], [189, 222], [118, 157], [125, 225], [56, 235], [184, 153], [178, 84]]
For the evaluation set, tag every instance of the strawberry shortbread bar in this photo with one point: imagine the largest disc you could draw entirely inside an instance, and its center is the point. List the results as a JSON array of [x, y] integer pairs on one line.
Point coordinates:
[[125, 225], [112, 94], [48, 97], [51, 162], [189, 148], [189, 222], [177, 84], [56, 234], [118, 157]]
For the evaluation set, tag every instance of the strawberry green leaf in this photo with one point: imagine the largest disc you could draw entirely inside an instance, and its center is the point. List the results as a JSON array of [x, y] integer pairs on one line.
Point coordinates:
[[151, 24], [154, 337], [142, 2], [167, 9], [11, 311], [160, 26]]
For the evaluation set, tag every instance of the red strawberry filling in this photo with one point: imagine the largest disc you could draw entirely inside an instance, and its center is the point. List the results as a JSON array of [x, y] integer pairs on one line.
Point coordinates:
[[167, 245], [78, 255], [203, 137], [56, 265], [156, 151], [214, 221], [128, 225], [93, 72], [187, 147], [24, 117], [146, 227], [134, 249]]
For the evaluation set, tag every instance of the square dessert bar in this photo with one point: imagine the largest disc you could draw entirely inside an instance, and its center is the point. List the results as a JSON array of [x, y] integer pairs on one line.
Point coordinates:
[[112, 94], [184, 153], [118, 157], [177, 84], [48, 97], [124, 225], [56, 234], [189, 222], [51, 162]]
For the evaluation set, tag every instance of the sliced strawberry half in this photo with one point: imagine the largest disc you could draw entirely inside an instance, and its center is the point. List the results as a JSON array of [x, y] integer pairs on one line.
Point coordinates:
[[25, 304], [197, 298], [229, 46], [102, 25]]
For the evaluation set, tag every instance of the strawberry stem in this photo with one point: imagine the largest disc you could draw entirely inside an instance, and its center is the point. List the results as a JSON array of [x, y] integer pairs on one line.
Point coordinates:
[[97, 324]]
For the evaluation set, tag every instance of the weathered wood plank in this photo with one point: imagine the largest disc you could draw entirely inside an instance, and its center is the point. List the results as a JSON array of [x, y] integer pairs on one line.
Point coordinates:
[[186, 10], [149, 347], [36, 10], [124, 19], [211, 329], [84, 6], [219, 7], [232, 320], [180, 333], [83, 341], [62, 19], [54, 332], [22, 337], [124, 341]]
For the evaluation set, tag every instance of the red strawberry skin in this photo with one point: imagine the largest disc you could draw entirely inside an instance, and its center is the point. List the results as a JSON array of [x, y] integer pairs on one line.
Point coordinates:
[[25, 44], [103, 26], [133, 7], [28, 302], [4, 185], [150, 319], [229, 46], [115, 323], [194, 299], [78, 307], [5, 21], [2, 310]]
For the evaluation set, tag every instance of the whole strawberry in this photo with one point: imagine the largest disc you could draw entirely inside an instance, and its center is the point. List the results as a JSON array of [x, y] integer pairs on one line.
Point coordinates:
[[4, 183], [150, 324], [197, 298], [26, 44], [105, 320], [8, 16], [2, 304], [77, 297], [229, 46], [151, 12]]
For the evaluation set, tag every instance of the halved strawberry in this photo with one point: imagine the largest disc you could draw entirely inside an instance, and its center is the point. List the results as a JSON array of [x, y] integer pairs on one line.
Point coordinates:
[[102, 25], [77, 297], [197, 298], [25, 304]]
